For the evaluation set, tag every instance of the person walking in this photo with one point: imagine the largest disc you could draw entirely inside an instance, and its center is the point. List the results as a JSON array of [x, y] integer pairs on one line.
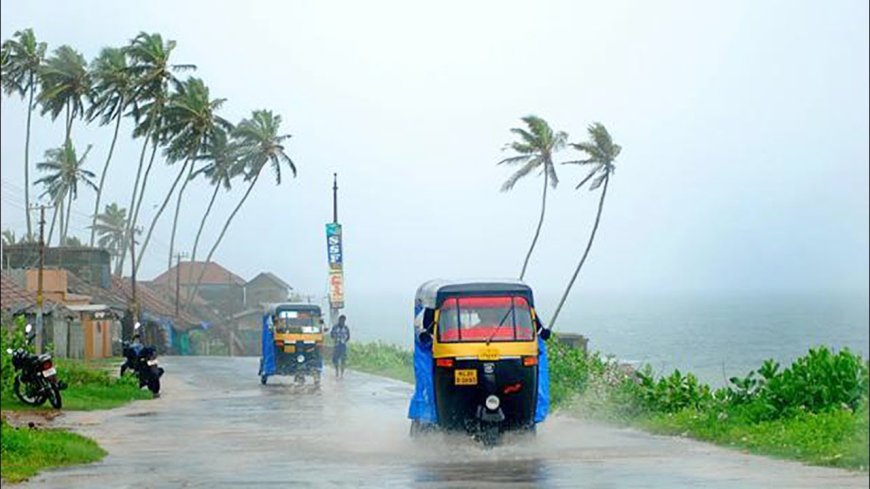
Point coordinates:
[[340, 337]]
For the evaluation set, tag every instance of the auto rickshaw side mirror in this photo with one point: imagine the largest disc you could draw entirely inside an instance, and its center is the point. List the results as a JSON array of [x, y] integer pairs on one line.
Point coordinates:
[[545, 334]]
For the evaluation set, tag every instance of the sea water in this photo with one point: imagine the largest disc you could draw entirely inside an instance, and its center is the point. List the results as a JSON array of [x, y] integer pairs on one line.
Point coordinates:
[[714, 336]]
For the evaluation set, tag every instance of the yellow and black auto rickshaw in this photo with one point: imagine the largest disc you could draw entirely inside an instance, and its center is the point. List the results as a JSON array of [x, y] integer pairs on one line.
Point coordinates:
[[292, 342], [480, 361]]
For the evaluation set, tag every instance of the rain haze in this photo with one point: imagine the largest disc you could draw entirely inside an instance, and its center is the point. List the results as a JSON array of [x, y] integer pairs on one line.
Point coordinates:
[[743, 124]]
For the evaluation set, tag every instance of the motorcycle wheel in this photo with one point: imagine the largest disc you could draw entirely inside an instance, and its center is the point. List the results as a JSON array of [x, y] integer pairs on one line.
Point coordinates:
[[154, 385], [54, 396], [123, 369], [22, 392]]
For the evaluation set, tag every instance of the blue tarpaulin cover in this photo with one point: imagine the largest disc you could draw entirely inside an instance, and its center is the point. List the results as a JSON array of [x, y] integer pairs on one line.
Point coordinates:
[[423, 403], [267, 361], [543, 405]]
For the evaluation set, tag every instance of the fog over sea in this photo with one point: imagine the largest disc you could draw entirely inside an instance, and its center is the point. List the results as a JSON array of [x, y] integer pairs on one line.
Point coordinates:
[[715, 336]]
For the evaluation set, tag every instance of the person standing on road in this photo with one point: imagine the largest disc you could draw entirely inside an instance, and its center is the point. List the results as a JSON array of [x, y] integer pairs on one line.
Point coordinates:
[[340, 336]]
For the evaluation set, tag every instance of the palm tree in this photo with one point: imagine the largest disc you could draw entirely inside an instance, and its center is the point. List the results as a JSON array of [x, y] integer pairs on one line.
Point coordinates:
[[65, 173], [111, 228], [9, 237], [191, 124], [153, 75], [66, 83], [113, 87], [535, 150], [601, 153], [222, 167], [259, 145], [22, 57]]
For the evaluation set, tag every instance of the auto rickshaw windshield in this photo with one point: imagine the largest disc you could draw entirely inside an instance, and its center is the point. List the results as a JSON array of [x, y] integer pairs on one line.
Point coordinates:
[[297, 322], [478, 319]]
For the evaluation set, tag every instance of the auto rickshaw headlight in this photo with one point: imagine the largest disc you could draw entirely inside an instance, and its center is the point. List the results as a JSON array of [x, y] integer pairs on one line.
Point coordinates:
[[300, 358], [492, 403]]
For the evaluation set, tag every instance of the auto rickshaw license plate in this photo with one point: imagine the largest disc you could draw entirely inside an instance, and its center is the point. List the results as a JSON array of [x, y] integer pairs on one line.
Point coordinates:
[[488, 355], [465, 377]]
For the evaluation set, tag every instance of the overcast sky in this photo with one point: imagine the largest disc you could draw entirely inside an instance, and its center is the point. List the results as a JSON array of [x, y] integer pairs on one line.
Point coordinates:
[[744, 128]]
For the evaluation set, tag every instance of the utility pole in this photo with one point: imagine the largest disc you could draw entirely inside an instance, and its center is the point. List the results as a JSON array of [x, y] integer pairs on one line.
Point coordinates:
[[178, 257], [335, 198], [39, 318]]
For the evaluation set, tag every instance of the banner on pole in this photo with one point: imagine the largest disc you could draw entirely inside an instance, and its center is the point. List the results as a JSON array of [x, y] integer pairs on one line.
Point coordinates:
[[333, 245], [336, 288]]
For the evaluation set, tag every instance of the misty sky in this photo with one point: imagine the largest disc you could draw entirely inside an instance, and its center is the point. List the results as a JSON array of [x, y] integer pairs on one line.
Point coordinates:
[[744, 128]]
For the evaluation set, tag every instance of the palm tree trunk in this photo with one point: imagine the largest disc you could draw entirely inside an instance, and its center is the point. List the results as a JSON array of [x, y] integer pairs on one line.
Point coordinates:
[[59, 203], [135, 215], [218, 241], [27, 161], [135, 203], [68, 209], [51, 229], [157, 217], [585, 253], [202, 223], [540, 222], [103, 179], [177, 209]]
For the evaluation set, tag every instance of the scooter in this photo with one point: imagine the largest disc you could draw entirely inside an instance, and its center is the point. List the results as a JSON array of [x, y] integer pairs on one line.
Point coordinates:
[[143, 361], [36, 378]]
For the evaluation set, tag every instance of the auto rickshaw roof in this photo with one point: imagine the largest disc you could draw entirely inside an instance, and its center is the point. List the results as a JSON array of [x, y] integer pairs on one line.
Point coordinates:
[[290, 306], [430, 293]]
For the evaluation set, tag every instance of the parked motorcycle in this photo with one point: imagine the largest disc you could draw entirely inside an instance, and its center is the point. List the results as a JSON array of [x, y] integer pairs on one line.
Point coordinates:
[[36, 378], [143, 361]]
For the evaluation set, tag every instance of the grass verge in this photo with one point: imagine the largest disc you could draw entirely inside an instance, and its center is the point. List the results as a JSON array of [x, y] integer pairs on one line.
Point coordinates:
[[26, 451]]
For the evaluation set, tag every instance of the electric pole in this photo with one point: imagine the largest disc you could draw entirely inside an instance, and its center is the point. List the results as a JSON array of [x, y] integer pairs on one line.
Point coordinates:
[[335, 198], [178, 257]]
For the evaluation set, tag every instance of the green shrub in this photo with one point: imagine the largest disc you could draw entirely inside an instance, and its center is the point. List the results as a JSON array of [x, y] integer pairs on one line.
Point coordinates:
[[10, 339]]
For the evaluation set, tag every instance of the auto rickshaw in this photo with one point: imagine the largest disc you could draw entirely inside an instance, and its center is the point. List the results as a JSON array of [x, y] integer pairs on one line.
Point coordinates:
[[292, 342], [480, 361]]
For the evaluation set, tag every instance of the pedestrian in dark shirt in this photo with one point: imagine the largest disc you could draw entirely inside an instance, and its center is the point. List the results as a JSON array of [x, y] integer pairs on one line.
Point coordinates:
[[340, 336]]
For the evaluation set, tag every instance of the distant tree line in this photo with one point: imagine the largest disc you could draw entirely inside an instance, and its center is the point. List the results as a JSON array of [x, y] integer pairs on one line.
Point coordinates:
[[173, 117]]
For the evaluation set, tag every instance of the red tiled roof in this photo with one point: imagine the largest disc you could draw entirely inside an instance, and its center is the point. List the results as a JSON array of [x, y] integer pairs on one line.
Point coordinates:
[[189, 273], [12, 295], [150, 302]]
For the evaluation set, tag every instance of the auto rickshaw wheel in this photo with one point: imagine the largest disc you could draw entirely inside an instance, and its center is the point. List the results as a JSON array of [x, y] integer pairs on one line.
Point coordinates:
[[263, 379]]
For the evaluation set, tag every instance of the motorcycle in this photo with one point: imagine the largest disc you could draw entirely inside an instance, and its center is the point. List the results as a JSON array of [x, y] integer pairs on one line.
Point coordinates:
[[143, 361], [36, 378]]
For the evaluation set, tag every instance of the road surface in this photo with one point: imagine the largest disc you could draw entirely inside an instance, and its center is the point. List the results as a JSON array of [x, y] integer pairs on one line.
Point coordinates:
[[217, 427]]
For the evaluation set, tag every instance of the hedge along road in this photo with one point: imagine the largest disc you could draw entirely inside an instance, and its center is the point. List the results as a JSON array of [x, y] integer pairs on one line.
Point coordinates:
[[216, 426]]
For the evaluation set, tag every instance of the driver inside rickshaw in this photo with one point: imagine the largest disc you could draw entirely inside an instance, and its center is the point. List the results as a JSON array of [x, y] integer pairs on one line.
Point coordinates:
[[295, 322]]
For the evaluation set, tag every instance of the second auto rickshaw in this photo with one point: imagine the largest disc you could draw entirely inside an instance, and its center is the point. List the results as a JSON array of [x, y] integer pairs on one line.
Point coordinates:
[[292, 342]]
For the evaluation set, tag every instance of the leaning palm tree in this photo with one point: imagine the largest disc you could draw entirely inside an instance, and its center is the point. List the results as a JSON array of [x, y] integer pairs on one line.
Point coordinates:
[[223, 166], [111, 227], [535, 150], [65, 85], [191, 123], [65, 173], [601, 152], [22, 57], [113, 88], [154, 76], [259, 145]]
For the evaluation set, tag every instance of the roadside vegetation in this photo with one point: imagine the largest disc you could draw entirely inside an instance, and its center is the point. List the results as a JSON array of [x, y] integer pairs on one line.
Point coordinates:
[[815, 410], [25, 451]]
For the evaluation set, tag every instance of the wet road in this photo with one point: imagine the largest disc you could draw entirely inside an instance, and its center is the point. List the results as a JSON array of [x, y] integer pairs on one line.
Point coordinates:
[[216, 426]]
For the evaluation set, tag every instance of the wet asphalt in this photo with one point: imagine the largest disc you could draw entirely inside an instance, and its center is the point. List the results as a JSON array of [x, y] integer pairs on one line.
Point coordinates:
[[216, 427]]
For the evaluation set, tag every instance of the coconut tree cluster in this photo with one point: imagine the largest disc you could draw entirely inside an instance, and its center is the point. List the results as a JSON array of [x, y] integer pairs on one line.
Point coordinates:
[[536, 147], [175, 118]]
